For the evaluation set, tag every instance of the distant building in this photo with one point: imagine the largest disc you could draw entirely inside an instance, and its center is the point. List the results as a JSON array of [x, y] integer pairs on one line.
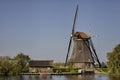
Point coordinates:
[[41, 66]]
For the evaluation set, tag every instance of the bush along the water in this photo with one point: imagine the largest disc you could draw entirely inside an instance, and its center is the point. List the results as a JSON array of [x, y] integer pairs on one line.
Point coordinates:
[[15, 65]]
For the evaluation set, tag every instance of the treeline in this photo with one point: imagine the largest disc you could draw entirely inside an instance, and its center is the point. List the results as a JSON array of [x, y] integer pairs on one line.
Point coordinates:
[[114, 61], [19, 64], [14, 66]]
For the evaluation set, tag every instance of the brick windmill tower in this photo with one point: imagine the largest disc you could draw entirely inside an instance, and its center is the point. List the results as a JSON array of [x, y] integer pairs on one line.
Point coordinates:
[[83, 53]]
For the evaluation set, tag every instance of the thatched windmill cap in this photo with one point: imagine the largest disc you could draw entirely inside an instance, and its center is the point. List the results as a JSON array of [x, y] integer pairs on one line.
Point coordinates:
[[81, 35]]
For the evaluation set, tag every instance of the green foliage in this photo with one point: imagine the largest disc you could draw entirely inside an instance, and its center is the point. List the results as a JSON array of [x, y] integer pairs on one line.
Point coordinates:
[[65, 70], [105, 69], [25, 69], [22, 62], [61, 70], [114, 60], [5, 66], [16, 70], [14, 66], [102, 69]]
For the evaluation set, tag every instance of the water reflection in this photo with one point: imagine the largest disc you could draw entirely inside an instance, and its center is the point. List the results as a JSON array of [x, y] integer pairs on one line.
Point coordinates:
[[63, 77], [101, 77], [11, 78], [80, 77], [37, 77]]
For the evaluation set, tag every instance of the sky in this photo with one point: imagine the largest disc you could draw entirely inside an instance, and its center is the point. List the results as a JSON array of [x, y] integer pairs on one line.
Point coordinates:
[[41, 28]]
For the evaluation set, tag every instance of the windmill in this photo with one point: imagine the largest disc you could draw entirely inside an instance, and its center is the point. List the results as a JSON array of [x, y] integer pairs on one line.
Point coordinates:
[[83, 54]]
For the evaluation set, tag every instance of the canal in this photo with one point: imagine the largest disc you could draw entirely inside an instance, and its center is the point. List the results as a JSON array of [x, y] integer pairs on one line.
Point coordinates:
[[62, 77]]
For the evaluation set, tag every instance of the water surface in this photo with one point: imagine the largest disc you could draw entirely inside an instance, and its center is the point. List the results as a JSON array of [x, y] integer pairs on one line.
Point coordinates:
[[63, 77]]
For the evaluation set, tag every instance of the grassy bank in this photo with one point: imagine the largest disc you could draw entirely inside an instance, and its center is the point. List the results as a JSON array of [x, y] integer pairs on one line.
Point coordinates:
[[102, 69], [65, 70]]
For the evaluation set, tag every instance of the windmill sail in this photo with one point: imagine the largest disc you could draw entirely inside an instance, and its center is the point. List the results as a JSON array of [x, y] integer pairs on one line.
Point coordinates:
[[73, 30]]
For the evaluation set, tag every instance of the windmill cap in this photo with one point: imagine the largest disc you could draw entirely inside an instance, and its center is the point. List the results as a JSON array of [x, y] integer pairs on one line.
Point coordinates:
[[81, 35]]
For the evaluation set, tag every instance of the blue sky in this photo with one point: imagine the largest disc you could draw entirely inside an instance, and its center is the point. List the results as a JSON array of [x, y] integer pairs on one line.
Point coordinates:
[[41, 28]]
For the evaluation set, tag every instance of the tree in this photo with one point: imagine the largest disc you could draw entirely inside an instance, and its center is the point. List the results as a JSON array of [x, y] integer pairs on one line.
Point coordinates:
[[9, 66], [22, 62], [5, 66], [114, 60]]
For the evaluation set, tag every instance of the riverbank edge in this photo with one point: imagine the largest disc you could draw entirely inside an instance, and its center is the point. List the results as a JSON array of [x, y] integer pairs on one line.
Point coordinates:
[[102, 73]]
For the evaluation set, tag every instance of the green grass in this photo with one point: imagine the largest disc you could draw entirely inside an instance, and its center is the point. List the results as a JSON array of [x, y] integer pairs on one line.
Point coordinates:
[[65, 70], [102, 69]]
